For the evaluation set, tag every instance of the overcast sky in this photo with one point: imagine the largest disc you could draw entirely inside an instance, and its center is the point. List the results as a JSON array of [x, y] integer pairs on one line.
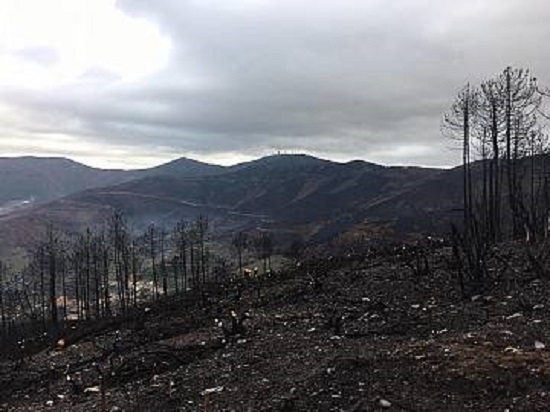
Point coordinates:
[[133, 83]]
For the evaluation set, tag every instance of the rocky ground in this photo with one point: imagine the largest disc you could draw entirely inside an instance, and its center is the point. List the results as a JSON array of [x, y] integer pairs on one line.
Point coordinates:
[[352, 335]]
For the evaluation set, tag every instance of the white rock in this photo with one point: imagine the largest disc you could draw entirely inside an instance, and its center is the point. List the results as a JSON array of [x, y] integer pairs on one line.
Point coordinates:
[[208, 391], [539, 345], [384, 403]]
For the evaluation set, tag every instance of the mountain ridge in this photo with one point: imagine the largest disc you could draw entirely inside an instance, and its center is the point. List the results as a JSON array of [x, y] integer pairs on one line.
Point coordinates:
[[300, 195]]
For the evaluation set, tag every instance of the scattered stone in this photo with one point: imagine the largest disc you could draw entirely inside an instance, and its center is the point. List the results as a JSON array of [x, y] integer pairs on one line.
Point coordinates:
[[209, 391]]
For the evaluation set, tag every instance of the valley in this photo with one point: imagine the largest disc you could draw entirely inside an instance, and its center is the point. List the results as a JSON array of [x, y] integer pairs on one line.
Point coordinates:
[[296, 196]]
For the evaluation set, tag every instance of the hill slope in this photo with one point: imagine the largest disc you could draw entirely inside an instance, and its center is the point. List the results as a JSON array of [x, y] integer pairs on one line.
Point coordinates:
[[292, 194], [49, 178], [43, 179], [406, 343]]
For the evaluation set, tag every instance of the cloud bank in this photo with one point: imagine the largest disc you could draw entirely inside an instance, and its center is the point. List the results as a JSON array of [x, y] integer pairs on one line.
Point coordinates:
[[136, 82]]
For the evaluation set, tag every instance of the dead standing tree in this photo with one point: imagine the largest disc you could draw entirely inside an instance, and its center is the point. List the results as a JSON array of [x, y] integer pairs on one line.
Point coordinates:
[[502, 127], [136, 261], [522, 103], [120, 248], [201, 225], [458, 124], [163, 266], [192, 236], [491, 117], [181, 242], [152, 242], [263, 244], [53, 253], [240, 243]]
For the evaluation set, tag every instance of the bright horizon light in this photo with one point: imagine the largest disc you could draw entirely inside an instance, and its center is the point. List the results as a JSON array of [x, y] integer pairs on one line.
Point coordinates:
[[50, 43]]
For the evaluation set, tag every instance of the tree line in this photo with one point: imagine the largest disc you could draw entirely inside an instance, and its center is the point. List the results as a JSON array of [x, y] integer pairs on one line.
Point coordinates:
[[109, 272], [501, 126]]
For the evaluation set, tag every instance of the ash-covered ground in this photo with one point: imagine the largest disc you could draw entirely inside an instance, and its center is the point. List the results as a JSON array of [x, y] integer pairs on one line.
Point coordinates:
[[356, 334]]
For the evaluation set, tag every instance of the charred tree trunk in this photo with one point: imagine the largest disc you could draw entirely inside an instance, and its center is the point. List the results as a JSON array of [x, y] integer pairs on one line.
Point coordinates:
[[52, 266]]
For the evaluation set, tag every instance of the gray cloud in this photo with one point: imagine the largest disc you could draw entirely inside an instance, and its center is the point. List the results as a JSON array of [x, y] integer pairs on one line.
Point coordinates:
[[344, 79]]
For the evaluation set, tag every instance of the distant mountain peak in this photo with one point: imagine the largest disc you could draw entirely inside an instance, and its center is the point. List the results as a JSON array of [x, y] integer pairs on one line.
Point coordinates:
[[284, 162], [188, 160], [184, 166]]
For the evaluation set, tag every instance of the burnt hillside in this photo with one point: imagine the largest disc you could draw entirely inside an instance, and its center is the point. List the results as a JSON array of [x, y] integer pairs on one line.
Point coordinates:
[[363, 332]]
